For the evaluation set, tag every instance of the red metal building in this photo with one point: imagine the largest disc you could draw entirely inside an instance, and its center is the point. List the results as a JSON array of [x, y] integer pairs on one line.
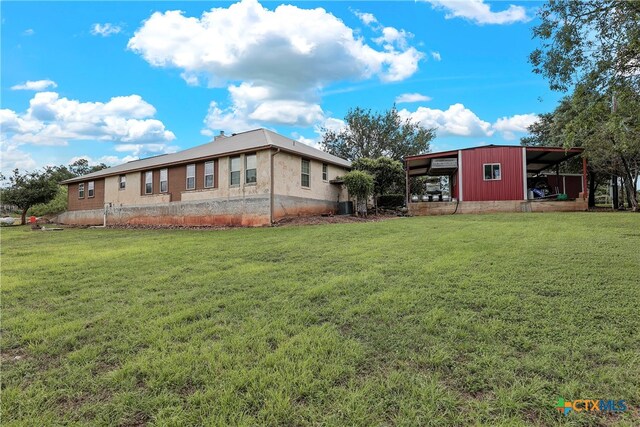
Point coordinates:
[[500, 173]]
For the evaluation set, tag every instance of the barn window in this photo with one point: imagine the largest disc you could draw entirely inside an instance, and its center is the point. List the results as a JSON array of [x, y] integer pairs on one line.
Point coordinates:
[[148, 182], [325, 172], [191, 177], [492, 172], [250, 164], [208, 175], [305, 177], [81, 191], [91, 189], [234, 167], [164, 180], [122, 182]]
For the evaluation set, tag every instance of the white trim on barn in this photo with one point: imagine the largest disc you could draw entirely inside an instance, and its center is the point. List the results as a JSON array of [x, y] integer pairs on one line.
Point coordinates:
[[460, 175]]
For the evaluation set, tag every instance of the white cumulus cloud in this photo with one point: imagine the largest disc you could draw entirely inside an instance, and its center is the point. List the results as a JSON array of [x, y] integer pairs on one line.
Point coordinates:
[[480, 12], [52, 120], [273, 62], [436, 56], [456, 120], [37, 85], [406, 98], [518, 123], [105, 30]]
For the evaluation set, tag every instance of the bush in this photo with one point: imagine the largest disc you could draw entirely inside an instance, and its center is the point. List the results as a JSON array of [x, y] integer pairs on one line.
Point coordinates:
[[54, 207], [391, 200], [360, 186]]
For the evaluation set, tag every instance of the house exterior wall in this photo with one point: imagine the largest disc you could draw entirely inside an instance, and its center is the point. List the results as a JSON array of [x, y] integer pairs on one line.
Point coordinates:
[[292, 199], [74, 203], [509, 187], [246, 204]]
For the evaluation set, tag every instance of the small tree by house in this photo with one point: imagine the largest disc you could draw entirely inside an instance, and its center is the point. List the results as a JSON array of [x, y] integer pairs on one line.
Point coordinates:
[[28, 189], [360, 186], [388, 175]]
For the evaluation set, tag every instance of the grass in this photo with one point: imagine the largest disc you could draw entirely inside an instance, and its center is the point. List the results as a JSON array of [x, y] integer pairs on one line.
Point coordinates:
[[457, 320]]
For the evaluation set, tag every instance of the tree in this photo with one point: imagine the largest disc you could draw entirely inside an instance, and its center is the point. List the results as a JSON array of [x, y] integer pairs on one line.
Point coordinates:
[[28, 189], [388, 175], [373, 135], [360, 185], [81, 167], [610, 135], [595, 41]]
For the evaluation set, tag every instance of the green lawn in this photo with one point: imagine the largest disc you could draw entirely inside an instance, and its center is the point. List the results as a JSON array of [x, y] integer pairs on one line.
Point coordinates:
[[456, 320]]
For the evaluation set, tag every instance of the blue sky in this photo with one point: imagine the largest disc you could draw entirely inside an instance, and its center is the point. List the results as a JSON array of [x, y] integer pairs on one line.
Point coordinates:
[[116, 81]]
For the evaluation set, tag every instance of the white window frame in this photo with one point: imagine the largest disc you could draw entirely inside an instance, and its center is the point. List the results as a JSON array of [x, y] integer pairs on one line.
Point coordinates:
[[148, 180], [325, 172], [231, 171], [164, 172], [91, 189], [308, 174], [122, 182], [81, 190], [484, 175], [212, 174], [191, 175], [247, 168]]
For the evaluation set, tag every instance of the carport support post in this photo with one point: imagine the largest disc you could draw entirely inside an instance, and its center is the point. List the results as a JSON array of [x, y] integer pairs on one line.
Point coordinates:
[[585, 190], [406, 186]]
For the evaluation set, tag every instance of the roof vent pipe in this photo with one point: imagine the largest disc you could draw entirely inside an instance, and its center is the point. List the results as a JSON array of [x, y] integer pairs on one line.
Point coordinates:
[[220, 136]]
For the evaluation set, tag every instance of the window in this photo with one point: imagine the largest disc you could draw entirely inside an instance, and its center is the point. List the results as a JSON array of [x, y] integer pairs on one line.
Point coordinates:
[[234, 167], [305, 178], [208, 175], [81, 191], [91, 189], [325, 172], [492, 172], [122, 182], [164, 180], [191, 177], [148, 182], [250, 162]]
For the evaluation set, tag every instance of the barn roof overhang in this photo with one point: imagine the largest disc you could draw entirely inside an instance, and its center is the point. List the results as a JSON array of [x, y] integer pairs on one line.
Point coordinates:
[[537, 159], [541, 158]]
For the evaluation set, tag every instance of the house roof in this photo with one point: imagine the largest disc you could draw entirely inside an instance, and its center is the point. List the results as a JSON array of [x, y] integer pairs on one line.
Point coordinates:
[[257, 139]]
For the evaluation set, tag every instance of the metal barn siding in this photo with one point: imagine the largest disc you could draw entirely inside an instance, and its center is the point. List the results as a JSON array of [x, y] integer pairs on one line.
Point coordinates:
[[571, 185], [509, 187]]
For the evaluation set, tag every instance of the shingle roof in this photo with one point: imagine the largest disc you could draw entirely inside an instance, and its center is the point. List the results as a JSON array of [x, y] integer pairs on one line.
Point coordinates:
[[239, 142]]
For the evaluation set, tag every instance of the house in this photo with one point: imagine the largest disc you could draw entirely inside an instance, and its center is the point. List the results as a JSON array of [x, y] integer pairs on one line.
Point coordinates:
[[498, 178], [251, 178]]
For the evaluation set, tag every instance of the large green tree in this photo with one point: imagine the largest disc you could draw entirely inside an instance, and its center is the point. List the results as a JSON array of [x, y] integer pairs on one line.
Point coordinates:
[[593, 49], [374, 134], [388, 174], [610, 134], [28, 189], [595, 41]]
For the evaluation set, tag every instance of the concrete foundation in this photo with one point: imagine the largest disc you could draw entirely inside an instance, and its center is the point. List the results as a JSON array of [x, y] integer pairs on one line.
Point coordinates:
[[245, 211], [447, 208], [292, 206]]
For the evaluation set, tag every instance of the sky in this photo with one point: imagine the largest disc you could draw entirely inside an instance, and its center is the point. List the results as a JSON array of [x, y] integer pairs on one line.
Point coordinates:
[[115, 81]]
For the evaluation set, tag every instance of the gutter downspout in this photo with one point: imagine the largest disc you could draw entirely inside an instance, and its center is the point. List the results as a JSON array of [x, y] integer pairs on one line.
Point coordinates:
[[272, 187]]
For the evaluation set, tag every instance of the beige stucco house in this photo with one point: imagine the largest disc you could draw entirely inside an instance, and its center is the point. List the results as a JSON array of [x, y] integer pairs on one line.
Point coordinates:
[[250, 178]]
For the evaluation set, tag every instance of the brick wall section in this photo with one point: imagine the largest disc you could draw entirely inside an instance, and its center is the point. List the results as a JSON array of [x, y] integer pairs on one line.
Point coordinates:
[[96, 202], [177, 176]]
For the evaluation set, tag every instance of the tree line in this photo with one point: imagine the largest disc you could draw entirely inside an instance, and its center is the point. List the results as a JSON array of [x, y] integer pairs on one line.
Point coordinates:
[[590, 50], [25, 190]]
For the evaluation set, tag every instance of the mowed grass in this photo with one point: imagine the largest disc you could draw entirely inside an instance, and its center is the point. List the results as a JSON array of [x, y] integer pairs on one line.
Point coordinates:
[[457, 320]]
